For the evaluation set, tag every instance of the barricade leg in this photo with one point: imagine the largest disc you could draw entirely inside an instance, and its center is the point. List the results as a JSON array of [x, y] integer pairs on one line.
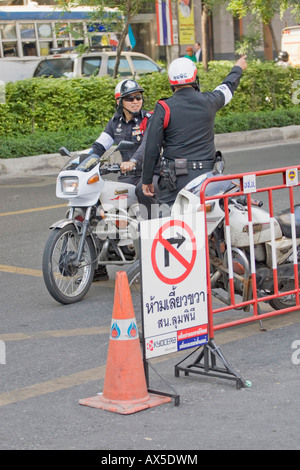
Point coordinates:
[[206, 364]]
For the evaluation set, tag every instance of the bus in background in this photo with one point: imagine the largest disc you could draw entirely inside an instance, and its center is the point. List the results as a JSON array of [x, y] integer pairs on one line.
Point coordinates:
[[28, 33], [290, 42]]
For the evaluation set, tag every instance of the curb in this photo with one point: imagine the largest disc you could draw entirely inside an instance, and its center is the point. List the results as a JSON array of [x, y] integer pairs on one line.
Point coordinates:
[[260, 136], [53, 163], [32, 165]]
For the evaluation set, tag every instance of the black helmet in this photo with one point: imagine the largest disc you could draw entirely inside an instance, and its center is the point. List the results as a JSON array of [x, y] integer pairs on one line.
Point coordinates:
[[128, 87], [283, 55]]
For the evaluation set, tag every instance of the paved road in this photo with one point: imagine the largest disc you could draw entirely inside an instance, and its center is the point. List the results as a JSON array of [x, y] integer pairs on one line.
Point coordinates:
[[56, 355]]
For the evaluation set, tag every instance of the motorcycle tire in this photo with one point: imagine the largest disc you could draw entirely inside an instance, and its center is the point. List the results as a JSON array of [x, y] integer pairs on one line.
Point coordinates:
[[286, 301], [65, 282], [134, 280]]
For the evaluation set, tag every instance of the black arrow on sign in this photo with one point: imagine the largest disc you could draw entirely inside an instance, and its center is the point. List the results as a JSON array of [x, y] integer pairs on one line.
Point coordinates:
[[179, 240]]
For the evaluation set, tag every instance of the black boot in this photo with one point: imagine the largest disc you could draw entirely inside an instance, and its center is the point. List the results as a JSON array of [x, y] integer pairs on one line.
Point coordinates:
[[101, 274]]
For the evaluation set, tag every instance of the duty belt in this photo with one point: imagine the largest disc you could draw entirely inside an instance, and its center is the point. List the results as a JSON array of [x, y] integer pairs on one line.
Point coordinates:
[[196, 164]]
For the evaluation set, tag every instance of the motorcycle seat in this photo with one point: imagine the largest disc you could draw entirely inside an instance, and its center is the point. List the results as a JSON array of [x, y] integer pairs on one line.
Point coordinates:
[[284, 220]]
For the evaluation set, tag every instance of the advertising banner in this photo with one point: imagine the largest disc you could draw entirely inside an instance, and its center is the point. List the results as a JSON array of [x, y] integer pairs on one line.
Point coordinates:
[[186, 22]]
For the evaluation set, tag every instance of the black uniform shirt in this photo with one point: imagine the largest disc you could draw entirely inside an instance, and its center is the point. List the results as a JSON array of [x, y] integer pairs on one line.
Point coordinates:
[[190, 133], [118, 129]]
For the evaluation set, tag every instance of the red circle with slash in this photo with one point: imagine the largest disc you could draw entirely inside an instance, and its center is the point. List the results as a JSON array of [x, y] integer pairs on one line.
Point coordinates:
[[159, 239]]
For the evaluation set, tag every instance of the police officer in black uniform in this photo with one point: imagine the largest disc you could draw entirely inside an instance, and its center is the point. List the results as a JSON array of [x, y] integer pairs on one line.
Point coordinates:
[[188, 139], [128, 123]]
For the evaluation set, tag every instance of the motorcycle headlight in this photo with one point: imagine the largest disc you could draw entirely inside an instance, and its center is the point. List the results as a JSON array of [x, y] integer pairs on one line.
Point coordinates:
[[69, 185]]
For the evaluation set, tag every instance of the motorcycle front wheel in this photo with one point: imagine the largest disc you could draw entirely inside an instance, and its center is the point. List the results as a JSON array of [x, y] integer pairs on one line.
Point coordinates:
[[66, 282]]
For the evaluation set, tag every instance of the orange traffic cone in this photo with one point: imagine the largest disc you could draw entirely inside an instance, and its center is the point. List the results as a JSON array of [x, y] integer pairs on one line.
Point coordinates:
[[125, 389]]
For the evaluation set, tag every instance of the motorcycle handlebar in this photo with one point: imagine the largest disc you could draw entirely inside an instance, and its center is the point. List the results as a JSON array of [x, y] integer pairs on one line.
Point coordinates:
[[115, 168], [111, 169], [243, 201]]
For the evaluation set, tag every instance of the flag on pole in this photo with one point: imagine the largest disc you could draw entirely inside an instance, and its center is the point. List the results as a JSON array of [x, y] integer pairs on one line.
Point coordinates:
[[113, 40], [164, 23], [131, 37]]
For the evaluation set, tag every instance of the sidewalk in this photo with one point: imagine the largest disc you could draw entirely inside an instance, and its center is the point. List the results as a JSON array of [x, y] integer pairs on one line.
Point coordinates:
[[52, 163]]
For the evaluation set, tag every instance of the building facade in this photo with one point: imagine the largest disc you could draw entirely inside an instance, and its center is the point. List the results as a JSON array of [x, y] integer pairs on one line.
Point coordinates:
[[222, 29], [185, 24]]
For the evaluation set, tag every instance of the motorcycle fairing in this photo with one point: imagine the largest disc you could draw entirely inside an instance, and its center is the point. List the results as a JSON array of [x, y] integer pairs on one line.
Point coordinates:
[[239, 226], [118, 195]]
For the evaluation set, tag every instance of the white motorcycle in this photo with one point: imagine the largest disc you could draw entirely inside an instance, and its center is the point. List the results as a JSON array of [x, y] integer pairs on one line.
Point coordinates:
[[188, 200], [100, 228]]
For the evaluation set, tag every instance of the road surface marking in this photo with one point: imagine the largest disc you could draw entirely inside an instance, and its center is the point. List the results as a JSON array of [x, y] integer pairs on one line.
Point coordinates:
[[55, 333], [50, 386], [34, 209], [16, 270], [98, 373]]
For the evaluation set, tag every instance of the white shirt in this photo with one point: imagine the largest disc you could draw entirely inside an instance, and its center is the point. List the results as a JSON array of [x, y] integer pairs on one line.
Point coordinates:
[[197, 54]]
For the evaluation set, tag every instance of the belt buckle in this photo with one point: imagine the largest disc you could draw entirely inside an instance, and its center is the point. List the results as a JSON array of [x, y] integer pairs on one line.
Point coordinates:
[[200, 165], [194, 165]]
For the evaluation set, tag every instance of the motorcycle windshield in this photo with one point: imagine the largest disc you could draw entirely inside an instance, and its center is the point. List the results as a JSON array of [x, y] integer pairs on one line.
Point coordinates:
[[213, 188], [83, 163]]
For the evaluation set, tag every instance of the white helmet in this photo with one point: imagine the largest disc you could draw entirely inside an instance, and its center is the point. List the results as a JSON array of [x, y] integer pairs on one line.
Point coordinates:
[[182, 71]]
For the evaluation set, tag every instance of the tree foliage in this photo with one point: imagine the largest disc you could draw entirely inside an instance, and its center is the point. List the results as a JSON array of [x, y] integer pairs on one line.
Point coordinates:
[[263, 11]]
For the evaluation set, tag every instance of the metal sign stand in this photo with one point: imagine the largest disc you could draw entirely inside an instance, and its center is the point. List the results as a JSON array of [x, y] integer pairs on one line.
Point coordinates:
[[165, 394], [206, 364]]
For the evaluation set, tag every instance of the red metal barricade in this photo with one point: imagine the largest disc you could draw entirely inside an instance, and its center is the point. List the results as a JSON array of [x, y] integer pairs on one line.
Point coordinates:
[[210, 361], [287, 184]]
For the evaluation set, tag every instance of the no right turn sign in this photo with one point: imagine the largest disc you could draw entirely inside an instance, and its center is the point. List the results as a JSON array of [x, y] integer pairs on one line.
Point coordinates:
[[174, 294]]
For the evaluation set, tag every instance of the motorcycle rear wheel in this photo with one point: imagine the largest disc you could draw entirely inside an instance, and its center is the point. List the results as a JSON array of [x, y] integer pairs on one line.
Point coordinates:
[[65, 282], [285, 301]]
